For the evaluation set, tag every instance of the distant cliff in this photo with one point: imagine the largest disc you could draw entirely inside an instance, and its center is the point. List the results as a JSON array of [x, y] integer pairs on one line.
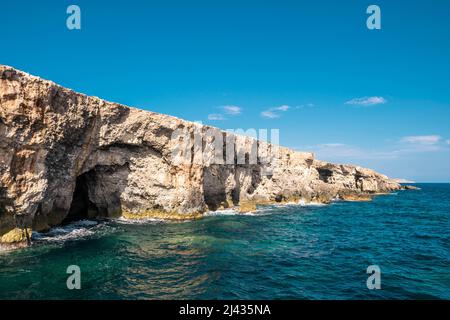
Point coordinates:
[[67, 156]]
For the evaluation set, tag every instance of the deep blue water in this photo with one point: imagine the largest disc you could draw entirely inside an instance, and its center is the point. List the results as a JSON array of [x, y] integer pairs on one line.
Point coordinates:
[[290, 252]]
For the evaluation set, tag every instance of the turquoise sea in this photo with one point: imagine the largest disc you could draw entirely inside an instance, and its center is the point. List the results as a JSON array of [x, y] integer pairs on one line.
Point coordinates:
[[278, 252]]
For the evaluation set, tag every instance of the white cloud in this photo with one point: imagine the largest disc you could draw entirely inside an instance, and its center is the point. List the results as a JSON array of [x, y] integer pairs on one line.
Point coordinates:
[[340, 152], [366, 101], [269, 114], [233, 110], [282, 108], [275, 112], [332, 145], [423, 140], [308, 105], [448, 141], [215, 117], [229, 110]]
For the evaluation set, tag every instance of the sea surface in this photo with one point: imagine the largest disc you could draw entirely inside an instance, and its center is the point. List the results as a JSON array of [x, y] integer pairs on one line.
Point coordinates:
[[278, 252]]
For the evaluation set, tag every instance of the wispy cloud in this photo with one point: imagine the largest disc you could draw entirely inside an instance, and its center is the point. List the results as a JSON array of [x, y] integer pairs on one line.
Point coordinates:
[[423, 140], [282, 108], [216, 117], [307, 105], [341, 152], [275, 112], [269, 114], [229, 110], [232, 110], [331, 145], [366, 101], [403, 147]]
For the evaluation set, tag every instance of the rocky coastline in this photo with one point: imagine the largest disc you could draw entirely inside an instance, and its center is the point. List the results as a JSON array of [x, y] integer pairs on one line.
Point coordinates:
[[65, 156]]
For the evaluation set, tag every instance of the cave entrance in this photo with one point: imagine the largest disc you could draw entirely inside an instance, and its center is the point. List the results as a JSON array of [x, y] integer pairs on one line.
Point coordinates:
[[81, 207]]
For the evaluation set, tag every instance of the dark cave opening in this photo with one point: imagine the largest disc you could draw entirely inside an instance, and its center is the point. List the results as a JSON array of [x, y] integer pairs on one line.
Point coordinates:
[[81, 207], [325, 174]]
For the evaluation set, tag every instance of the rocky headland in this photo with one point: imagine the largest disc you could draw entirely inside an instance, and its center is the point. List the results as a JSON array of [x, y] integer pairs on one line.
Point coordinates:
[[66, 156]]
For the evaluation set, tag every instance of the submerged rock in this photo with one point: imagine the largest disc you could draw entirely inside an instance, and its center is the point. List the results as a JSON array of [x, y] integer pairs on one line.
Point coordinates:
[[357, 197], [410, 188], [66, 156], [16, 236]]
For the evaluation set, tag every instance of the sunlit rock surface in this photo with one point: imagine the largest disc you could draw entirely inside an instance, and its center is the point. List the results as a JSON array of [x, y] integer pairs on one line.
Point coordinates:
[[67, 156]]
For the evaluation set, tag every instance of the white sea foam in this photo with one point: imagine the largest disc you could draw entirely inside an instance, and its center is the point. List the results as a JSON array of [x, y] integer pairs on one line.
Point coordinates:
[[75, 230], [303, 203], [224, 212], [123, 220], [263, 210], [85, 228]]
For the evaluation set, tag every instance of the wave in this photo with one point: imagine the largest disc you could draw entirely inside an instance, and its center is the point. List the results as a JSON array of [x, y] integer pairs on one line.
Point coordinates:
[[76, 230], [224, 212], [87, 228], [263, 209], [123, 220], [303, 203]]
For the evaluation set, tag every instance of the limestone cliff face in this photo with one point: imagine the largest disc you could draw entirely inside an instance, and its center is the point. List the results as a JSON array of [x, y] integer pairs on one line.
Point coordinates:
[[65, 155]]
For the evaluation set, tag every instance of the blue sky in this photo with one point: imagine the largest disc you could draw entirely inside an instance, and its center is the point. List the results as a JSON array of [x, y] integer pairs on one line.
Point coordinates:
[[377, 98]]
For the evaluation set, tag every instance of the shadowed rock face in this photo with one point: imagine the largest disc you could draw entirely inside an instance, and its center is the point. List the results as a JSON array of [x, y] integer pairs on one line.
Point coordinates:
[[66, 156]]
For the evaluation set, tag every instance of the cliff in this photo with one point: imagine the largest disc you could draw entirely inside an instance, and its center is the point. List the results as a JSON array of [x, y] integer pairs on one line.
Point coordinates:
[[67, 156]]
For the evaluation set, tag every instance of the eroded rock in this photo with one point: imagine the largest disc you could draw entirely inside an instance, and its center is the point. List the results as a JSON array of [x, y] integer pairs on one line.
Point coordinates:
[[66, 156]]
